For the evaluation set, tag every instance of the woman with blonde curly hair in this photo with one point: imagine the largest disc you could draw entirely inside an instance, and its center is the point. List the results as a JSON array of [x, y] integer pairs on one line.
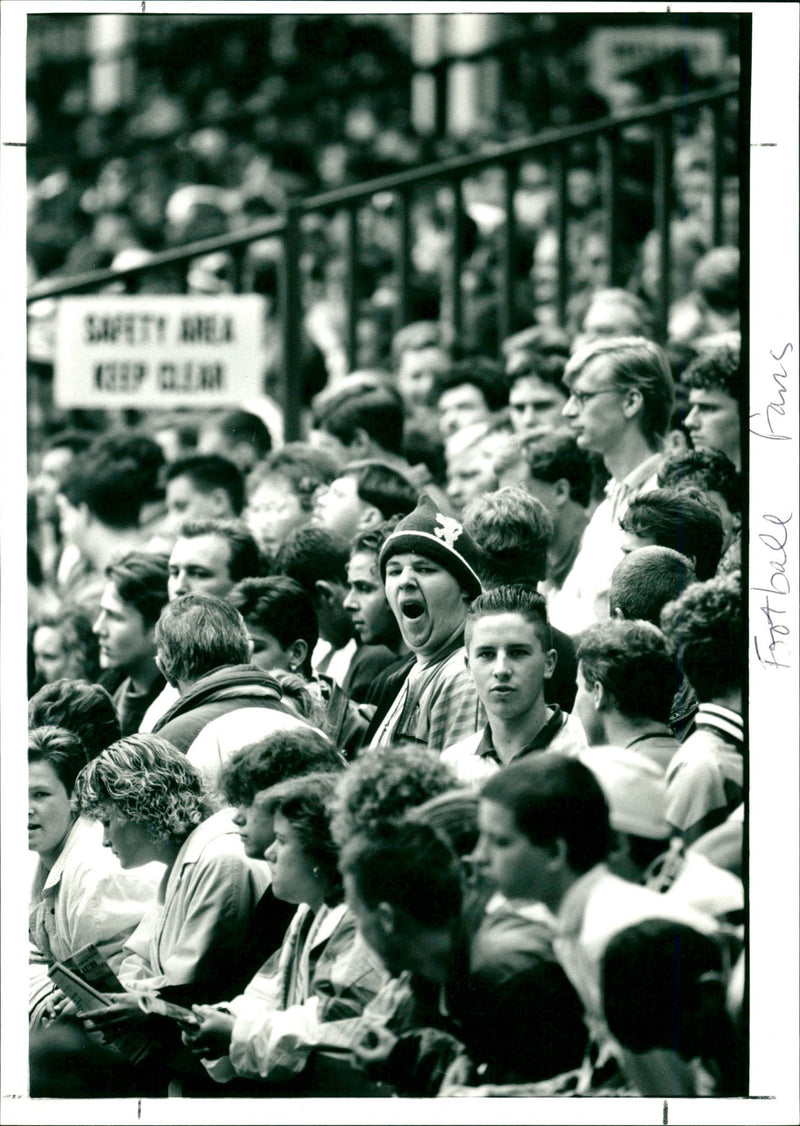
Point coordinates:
[[153, 805]]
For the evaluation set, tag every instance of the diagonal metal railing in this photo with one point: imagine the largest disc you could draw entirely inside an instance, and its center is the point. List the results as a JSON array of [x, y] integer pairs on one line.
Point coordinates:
[[552, 145]]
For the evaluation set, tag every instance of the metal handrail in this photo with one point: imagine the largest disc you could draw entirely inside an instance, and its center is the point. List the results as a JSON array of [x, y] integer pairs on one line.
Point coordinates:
[[454, 171]]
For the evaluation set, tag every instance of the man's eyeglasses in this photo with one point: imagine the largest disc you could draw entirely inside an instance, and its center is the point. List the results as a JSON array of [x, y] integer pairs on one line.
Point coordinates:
[[583, 397]]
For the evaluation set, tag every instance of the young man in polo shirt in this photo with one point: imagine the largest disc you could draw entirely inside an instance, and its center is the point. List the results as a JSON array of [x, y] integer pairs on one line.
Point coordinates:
[[510, 655]]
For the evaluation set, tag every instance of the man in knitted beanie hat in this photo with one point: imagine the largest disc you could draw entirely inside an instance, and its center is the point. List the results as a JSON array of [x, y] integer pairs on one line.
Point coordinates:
[[430, 567]]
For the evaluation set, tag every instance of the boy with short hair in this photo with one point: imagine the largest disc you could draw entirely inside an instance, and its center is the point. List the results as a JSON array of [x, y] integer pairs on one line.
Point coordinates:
[[510, 655]]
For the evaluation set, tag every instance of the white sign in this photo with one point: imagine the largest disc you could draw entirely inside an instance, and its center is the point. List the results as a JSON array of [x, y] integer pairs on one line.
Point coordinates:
[[614, 51], [142, 351]]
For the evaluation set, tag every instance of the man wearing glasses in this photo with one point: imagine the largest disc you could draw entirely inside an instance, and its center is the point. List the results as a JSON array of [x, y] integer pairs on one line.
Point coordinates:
[[620, 401]]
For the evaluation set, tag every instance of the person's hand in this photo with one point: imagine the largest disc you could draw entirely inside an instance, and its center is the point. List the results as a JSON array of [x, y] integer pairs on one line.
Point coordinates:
[[211, 1037], [116, 1019], [57, 1006]]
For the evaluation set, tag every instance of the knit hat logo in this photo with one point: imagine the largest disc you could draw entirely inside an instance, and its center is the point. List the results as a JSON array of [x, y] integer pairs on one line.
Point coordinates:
[[438, 537], [447, 529]]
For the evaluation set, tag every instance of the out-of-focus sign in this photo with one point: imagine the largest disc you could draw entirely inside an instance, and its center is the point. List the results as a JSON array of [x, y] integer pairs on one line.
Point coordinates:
[[614, 51], [142, 351]]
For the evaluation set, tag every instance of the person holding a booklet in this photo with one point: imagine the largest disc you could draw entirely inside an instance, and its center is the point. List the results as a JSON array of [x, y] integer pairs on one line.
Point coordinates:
[[153, 805], [79, 894], [308, 998]]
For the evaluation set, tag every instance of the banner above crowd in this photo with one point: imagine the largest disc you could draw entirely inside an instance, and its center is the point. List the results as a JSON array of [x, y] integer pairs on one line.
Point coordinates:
[[142, 351]]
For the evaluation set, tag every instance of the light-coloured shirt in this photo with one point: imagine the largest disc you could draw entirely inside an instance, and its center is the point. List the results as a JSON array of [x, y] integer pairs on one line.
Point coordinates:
[[583, 599]]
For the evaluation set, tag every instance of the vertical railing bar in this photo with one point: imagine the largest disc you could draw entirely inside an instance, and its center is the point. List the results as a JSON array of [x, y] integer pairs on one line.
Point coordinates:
[[560, 169], [238, 254], [459, 226], [716, 173], [403, 308], [608, 142], [663, 211], [506, 326], [291, 299], [441, 78], [351, 287]]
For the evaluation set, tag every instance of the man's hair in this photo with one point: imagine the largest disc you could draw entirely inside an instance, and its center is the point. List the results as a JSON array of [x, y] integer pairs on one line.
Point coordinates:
[[147, 780], [513, 531], [75, 440], [143, 450], [704, 628], [377, 410], [281, 606], [717, 370], [303, 466], [85, 709], [383, 487], [553, 797], [141, 581], [416, 336], [385, 784], [303, 802], [373, 539], [685, 520], [273, 759], [242, 426], [631, 661], [636, 363], [311, 555], [198, 633], [476, 371], [208, 472], [549, 368], [408, 865], [645, 580], [661, 960], [512, 599], [245, 561], [111, 489], [60, 749], [716, 279], [709, 470], [553, 456]]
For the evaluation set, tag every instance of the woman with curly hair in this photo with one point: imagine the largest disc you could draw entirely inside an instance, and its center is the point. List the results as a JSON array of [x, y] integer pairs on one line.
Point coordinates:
[[309, 996], [153, 805], [384, 785]]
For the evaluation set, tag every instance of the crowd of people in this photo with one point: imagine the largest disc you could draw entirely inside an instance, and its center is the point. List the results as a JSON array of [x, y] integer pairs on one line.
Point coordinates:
[[377, 748], [407, 759]]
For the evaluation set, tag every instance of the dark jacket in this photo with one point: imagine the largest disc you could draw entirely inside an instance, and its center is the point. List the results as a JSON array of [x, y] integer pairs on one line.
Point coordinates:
[[219, 692]]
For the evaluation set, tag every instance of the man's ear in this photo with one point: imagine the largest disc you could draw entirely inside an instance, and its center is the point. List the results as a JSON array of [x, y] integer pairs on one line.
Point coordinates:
[[633, 402], [250, 648], [387, 920], [617, 615], [550, 662], [370, 518], [325, 593], [298, 651], [162, 668], [599, 695], [558, 853], [562, 492], [361, 446], [221, 502]]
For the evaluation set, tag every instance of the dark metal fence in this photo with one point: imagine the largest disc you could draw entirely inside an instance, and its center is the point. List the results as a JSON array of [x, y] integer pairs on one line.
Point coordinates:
[[552, 146]]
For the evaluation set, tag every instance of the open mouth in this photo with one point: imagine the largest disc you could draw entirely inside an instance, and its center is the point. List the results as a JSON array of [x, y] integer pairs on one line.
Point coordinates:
[[412, 609]]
